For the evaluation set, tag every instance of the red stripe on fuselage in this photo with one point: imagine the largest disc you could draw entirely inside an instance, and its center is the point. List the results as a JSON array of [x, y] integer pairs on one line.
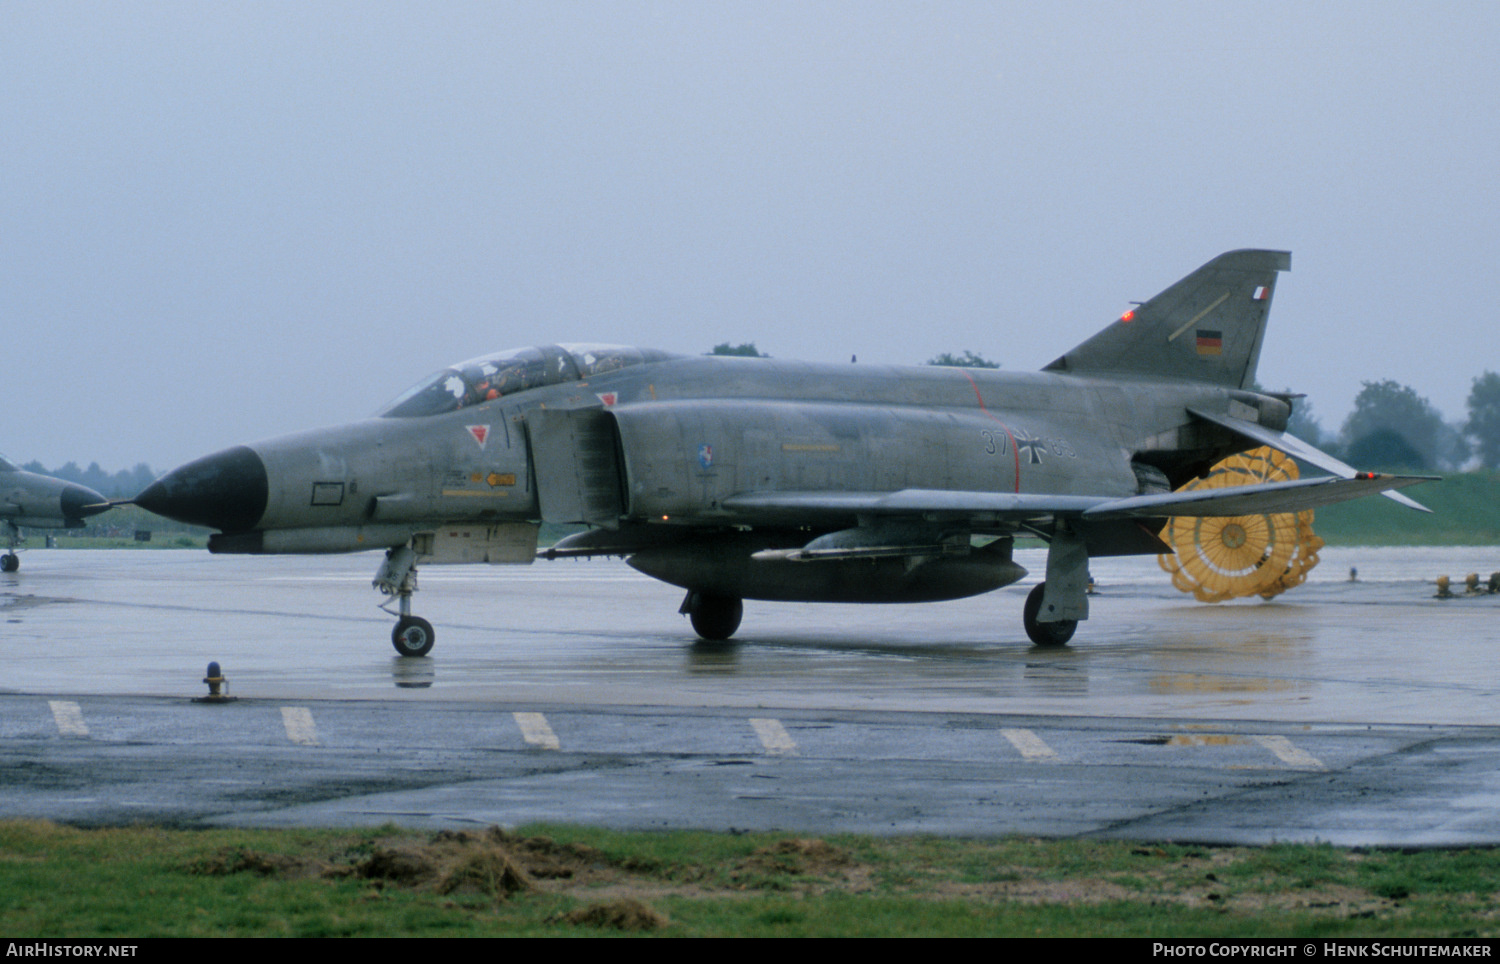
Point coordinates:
[[1014, 450]]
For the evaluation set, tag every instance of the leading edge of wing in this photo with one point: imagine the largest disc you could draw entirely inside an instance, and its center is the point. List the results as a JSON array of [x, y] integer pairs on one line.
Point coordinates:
[[1008, 505], [1300, 450], [1265, 497]]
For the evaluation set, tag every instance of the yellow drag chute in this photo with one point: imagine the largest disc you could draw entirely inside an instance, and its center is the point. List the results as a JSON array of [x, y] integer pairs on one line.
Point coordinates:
[[1219, 558]]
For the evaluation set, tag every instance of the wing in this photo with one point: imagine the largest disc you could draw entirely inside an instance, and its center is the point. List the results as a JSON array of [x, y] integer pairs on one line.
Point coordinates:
[[1266, 497], [936, 504], [917, 522], [798, 507]]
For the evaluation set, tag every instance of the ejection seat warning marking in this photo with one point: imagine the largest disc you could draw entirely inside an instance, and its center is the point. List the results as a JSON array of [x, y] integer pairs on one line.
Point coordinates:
[[1289, 754], [535, 731], [774, 737], [69, 718], [299, 725], [1030, 746]]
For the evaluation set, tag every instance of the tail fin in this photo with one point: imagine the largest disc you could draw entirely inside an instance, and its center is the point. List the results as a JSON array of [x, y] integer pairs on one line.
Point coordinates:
[[1207, 327]]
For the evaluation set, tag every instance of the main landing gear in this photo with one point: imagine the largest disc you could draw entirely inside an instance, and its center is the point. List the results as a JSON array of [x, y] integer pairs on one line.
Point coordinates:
[[413, 635], [714, 617], [1054, 633]]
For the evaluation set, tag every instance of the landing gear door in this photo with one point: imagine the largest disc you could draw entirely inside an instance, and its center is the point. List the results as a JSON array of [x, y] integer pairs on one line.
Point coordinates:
[[574, 454]]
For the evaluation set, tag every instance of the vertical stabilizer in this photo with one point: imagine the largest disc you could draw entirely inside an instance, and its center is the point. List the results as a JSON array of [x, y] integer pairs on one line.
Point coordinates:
[[1207, 327]]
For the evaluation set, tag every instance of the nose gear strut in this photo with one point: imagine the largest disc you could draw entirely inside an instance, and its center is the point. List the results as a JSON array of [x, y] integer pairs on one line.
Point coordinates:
[[413, 635]]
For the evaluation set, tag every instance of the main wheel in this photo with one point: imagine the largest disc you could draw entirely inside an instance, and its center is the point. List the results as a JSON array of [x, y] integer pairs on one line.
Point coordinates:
[[1045, 634], [10, 562], [413, 636], [714, 616]]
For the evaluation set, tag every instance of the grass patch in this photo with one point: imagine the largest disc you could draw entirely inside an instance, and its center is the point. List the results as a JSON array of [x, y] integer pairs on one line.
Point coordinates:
[[1465, 512], [58, 881]]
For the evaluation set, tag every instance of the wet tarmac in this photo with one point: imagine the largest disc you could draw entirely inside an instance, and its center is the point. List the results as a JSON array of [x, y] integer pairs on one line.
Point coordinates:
[[1352, 712]]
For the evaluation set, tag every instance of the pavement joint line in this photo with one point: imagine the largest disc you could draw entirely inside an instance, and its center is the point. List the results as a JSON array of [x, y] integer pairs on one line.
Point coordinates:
[[1289, 754], [68, 717], [1030, 746], [535, 731], [299, 725], [774, 737]]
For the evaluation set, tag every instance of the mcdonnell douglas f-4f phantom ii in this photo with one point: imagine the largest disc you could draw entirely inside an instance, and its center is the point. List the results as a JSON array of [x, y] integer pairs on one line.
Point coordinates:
[[740, 478], [40, 502]]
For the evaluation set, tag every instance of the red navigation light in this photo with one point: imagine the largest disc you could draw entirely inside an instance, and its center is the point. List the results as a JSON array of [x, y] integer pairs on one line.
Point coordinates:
[[1128, 317]]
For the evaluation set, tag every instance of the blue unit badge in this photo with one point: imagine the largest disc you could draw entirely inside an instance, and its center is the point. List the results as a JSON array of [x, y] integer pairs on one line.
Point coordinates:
[[705, 455]]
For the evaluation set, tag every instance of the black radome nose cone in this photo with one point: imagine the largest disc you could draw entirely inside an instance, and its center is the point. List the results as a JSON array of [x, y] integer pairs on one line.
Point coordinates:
[[80, 502], [225, 491]]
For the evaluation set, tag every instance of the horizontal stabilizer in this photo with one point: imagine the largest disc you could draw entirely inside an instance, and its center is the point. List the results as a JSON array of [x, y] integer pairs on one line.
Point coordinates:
[[1266, 497], [1303, 452]]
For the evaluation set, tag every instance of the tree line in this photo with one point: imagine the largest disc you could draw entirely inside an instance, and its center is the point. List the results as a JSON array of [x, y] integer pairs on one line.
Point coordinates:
[[123, 484], [1393, 427]]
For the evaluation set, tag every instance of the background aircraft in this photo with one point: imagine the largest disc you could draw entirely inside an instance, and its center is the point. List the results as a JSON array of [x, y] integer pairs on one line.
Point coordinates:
[[740, 478], [40, 502]]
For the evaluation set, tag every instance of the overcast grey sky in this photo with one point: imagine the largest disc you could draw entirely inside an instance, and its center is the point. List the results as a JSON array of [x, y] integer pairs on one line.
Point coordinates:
[[224, 221]]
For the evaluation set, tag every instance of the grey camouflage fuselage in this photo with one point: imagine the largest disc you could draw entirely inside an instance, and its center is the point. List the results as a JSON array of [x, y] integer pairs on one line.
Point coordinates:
[[761, 478]]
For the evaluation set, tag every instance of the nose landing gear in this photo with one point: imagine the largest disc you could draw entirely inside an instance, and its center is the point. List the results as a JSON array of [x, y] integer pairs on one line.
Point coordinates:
[[413, 635], [10, 562]]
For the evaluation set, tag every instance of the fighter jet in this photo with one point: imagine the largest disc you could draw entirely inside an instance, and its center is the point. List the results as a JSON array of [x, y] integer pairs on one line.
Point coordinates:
[[40, 502], [754, 478]]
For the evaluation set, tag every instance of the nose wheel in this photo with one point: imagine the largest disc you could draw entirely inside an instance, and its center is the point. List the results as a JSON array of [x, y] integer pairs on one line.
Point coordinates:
[[10, 562], [413, 635]]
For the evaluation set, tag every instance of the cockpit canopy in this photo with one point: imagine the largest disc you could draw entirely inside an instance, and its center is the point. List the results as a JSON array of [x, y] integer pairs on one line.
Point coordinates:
[[507, 372]]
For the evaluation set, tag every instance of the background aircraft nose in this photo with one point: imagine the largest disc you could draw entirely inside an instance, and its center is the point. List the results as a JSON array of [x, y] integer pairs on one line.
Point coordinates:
[[80, 502], [226, 491]]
